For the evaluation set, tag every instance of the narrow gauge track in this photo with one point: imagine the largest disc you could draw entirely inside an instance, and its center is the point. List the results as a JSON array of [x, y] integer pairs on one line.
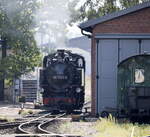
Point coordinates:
[[38, 125], [32, 124], [42, 128], [9, 124], [8, 127], [24, 127]]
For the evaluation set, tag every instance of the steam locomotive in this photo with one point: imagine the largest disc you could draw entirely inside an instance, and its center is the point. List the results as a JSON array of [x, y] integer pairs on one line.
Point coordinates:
[[63, 80]]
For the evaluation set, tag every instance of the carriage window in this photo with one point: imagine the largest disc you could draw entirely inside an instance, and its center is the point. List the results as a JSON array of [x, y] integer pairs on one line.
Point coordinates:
[[139, 75]]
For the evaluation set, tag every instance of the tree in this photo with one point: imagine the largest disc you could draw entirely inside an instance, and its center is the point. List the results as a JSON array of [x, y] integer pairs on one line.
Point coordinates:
[[17, 27], [74, 13], [53, 18], [129, 3], [93, 9], [96, 8]]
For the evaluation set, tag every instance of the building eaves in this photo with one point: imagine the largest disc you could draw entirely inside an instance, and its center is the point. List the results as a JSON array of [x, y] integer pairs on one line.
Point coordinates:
[[88, 25]]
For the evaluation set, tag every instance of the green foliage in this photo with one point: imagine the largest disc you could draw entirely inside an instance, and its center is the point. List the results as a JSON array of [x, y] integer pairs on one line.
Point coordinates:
[[6, 119], [25, 112], [93, 9], [73, 12], [17, 27], [96, 8], [30, 112], [129, 3]]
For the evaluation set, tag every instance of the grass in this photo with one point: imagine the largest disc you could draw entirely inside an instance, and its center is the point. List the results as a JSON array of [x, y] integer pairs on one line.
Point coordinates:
[[82, 128], [30, 112], [25, 112], [6, 119], [104, 128], [111, 128], [71, 128]]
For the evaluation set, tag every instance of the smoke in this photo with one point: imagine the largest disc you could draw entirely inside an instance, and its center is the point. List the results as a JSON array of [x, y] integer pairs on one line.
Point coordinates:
[[52, 18], [10, 7], [15, 14]]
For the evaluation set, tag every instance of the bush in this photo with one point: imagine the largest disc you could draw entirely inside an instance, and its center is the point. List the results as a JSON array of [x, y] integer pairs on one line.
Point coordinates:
[[30, 112]]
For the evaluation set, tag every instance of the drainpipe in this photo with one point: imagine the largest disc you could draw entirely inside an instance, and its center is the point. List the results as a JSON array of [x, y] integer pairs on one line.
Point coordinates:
[[90, 36], [87, 35]]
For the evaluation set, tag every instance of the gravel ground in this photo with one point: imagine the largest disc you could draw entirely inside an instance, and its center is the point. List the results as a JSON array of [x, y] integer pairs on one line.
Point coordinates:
[[86, 129], [11, 110], [8, 131]]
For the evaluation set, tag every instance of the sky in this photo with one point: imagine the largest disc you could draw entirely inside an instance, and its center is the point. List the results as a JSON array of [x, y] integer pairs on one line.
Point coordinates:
[[74, 31]]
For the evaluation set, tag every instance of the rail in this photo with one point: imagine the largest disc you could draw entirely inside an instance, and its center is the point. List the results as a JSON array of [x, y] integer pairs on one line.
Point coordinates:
[[44, 124], [20, 127]]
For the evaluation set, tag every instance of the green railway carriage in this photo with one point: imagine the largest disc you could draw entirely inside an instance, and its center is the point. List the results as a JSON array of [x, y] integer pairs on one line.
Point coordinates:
[[133, 97]]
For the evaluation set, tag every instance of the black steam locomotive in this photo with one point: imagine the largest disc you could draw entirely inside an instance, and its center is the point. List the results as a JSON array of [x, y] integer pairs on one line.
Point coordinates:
[[63, 80]]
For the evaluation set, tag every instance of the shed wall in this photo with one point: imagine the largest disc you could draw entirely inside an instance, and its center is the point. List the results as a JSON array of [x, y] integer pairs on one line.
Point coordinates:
[[110, 53], [133, 23], [137, 22]]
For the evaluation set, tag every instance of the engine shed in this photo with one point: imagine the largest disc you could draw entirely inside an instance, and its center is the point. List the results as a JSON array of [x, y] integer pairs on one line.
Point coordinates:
[[115, 37]]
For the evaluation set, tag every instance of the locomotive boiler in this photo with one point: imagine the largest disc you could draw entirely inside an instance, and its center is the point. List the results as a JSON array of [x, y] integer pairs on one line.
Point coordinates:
[[63, 80]]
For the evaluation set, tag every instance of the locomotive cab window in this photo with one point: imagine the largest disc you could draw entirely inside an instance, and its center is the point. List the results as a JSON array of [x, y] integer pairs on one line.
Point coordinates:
[[139, 76]]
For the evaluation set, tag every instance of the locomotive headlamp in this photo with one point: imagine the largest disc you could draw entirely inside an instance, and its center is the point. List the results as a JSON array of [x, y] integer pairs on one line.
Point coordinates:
[[78, 90]]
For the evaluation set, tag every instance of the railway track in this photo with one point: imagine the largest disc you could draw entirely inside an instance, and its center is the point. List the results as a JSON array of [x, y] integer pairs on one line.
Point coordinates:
[[39, 126], [42, 127], [27, 127]]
